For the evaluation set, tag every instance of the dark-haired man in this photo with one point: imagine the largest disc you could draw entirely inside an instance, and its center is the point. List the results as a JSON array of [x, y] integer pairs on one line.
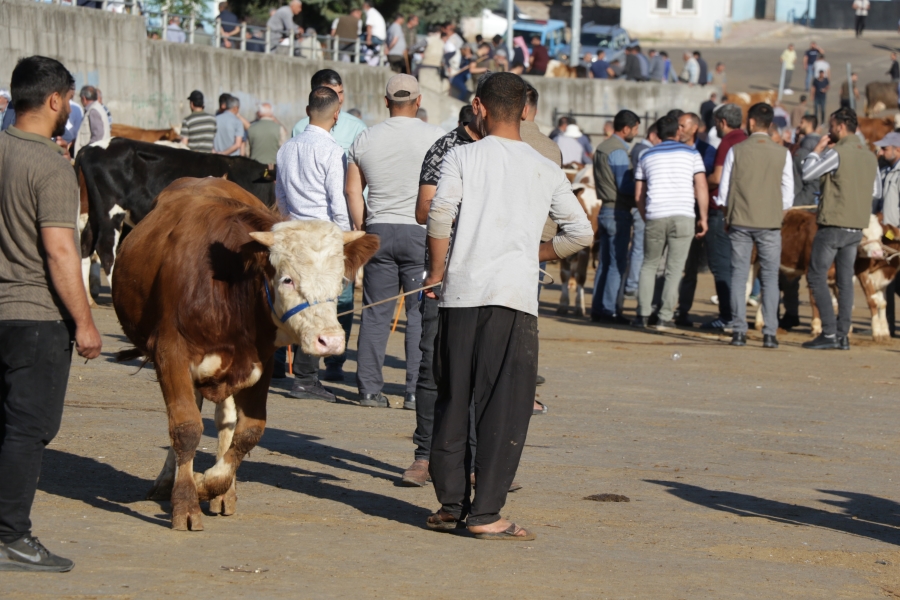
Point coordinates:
[[309, 184], [199, 128], [43, 305], [757, 187], [487, 342], [380, 158], [668, 178], [614, 179], [348, 127], [846, 171]]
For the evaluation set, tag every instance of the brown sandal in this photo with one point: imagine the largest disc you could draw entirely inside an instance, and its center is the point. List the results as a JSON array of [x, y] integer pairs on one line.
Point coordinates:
[[436, 523], [511, 534]]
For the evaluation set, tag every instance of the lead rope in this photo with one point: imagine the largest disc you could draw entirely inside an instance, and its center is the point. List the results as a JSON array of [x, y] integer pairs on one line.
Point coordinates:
[[416, 291]]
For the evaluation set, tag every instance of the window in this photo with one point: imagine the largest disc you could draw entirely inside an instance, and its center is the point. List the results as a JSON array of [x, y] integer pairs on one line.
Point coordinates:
[[662, 4], [688, 5]]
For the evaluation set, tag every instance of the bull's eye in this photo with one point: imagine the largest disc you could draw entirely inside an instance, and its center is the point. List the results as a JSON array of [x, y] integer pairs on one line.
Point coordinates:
[[287, 281]]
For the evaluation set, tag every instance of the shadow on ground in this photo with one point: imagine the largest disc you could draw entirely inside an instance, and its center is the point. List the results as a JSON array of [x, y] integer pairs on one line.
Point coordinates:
[[863, 515]]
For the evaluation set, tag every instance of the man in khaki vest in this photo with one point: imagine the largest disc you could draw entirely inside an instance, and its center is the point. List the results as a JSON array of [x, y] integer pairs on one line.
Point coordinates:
[[757, 187], [850, 179]]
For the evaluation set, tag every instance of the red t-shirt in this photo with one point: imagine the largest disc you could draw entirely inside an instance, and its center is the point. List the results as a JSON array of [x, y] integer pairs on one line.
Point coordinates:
[[731, 138], [540, 58]]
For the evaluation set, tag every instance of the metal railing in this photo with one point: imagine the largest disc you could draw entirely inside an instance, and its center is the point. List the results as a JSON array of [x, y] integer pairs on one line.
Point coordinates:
[[204, 31]]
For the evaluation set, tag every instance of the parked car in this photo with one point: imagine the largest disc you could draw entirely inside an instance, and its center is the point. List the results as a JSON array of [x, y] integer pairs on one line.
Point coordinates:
[[611, 38]]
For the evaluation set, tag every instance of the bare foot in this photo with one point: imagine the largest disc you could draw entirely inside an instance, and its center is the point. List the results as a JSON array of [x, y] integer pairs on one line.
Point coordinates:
[[495, 527]]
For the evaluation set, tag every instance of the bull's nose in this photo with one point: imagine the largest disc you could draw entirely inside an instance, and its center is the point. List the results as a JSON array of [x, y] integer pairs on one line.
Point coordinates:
[[330, 344]]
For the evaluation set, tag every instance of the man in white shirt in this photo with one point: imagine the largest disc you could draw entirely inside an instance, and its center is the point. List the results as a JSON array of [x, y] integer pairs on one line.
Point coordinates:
[[376, 28], [387, 157], [862, 11], [757, 187], [668, 178], [499, 192], [310, 185]]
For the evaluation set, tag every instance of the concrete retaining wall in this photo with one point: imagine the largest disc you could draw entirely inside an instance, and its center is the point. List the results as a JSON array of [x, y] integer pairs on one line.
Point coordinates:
[[146, 83]]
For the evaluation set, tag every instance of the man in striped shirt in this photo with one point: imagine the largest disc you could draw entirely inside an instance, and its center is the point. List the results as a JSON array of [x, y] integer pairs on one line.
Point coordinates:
[[668, 179], [199, 128]]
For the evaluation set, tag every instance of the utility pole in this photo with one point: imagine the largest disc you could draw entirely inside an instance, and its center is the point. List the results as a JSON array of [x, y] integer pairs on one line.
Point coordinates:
[[575, 44], [510, 17]]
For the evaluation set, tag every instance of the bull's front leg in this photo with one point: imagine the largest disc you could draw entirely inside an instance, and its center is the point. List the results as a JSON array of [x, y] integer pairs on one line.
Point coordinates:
[[564, 275], [580, 279], [185, 429], [162, 487], [816, 322], [226, 420]]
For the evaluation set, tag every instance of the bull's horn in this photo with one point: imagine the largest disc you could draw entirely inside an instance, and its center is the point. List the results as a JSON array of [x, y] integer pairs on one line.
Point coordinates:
[[266, 238], [352, 236]]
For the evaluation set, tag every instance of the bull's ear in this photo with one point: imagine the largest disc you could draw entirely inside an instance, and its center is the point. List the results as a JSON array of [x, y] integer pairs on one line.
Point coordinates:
[[358, 252], [266, 238], [351, 236]]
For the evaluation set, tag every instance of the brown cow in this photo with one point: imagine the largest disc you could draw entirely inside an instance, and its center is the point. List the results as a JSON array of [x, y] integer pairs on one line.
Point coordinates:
[[573, 270], [880, 95], [875, 129], [207, 285], [144, 135], [745, 100]]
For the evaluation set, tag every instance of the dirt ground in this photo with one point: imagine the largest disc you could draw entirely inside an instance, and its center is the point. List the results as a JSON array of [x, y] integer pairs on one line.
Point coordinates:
[[751, 473]]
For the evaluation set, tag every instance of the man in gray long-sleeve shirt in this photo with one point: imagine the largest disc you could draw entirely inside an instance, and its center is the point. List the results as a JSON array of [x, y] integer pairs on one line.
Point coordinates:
[[487, 343], [282, 24], [850, 179]]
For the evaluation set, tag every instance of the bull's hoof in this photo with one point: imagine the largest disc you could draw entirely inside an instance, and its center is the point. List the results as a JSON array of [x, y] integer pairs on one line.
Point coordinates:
[[562, 311], [881, 338], [160, 491], [192, 521], [225, 505]]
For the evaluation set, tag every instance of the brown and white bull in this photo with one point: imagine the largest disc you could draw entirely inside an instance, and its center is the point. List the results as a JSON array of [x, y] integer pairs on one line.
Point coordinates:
[[207, 286], [573, 269]]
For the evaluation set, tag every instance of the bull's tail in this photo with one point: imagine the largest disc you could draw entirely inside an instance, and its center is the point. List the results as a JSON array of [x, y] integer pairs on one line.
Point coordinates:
[[132, 354]]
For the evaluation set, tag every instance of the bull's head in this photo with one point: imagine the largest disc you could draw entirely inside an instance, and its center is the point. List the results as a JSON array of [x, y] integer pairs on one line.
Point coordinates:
[[870, 246], [311, 259]]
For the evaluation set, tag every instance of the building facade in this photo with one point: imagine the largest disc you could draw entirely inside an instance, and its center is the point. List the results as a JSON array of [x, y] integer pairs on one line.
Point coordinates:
[[687, 19]]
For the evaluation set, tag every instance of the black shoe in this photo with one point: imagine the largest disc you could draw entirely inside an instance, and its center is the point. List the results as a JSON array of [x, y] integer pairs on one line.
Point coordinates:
[[541, 380], [333, 373], [843, 342], [822, 343], [409, 401], [603, 318], [374, 401], [770, 341], [738, 339], [639, 323], [788, 322], [28, 554], [276, 374], [311, 391], [684, 322]]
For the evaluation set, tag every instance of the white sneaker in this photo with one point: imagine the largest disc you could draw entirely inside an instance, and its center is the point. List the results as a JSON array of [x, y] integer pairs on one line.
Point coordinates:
[[715, 299], [788, 92]]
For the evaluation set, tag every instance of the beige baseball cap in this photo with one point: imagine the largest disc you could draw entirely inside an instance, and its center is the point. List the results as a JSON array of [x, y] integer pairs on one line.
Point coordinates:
[[401, 88]]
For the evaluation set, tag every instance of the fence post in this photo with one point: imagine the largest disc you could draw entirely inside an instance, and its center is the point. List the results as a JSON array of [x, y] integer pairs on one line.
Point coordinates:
[[244, 36], [850, 87], [781, 83], [218, 36], [291, 43], [335, 48], [165, 21], [192, 23], [268, 40], [104, 5], [356, 52]]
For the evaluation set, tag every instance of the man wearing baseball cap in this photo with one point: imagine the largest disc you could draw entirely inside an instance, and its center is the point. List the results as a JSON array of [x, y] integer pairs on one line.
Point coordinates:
[[198, 128], [387, 158], [890, 209]]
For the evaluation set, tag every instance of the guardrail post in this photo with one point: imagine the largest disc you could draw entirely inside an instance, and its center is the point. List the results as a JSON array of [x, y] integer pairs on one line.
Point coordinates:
[[291, 44], [218, 36], [335, 48], [104, 5], [356, 52], [243, 36], [193, 25], [268, 40], [165, 22]]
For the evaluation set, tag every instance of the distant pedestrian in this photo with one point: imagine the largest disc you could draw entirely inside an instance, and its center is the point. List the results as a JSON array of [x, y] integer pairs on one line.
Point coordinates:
[[822, 66], [668, 178], [799, 111], [691, 73], [632, 70], [283, 26], [43, 305], [809, 60], [846, 92], [656, 66], [348, 126], [668, 69], [789, 61], [229, 27], [862, 11], [850, 179], [703, 75], [266, 135], [614, 181], [174, 32], [821, 85], [757, 187], [411, 36], [198, 128], [5, 102], [347, 28], [540, 57], [643, 62], [229, 136], [396, 46], [719, 77], [599, 69], [376, 28], [894, 71], [380, 158], [706, 112], [95, 126]]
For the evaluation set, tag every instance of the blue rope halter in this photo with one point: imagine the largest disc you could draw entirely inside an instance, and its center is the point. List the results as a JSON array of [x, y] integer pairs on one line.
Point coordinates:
[[299, 308]]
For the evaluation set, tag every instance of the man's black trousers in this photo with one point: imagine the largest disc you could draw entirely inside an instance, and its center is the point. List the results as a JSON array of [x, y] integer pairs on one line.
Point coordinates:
[[488, 355], [34, 369]]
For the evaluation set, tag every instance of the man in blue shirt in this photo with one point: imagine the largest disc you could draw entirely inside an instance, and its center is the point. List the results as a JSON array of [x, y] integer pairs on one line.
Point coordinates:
[[599, 67], [614, 180], [348, 127], [229, 129]]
